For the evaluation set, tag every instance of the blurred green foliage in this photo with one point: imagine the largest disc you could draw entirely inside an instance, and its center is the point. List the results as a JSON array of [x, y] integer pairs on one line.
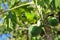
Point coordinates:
[[27, 15]]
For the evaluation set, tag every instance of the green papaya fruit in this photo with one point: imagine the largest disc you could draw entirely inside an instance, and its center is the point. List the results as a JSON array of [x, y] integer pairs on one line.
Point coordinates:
[[52, 21], [35, 30]]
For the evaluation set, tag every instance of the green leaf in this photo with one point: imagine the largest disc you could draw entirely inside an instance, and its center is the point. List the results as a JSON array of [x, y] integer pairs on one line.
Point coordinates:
[[41, 2], [48, 1], [29, 16], [57, 3]]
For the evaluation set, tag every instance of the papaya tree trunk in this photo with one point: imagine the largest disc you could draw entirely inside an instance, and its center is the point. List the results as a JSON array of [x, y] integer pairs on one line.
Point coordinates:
[[47, 28]]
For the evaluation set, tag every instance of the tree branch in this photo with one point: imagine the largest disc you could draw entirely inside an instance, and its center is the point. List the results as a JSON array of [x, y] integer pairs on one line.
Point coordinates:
[[3, 11]]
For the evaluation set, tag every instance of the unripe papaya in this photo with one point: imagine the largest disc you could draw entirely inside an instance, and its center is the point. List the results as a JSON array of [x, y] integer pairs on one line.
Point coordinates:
[[52, 21], [35, 30]]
